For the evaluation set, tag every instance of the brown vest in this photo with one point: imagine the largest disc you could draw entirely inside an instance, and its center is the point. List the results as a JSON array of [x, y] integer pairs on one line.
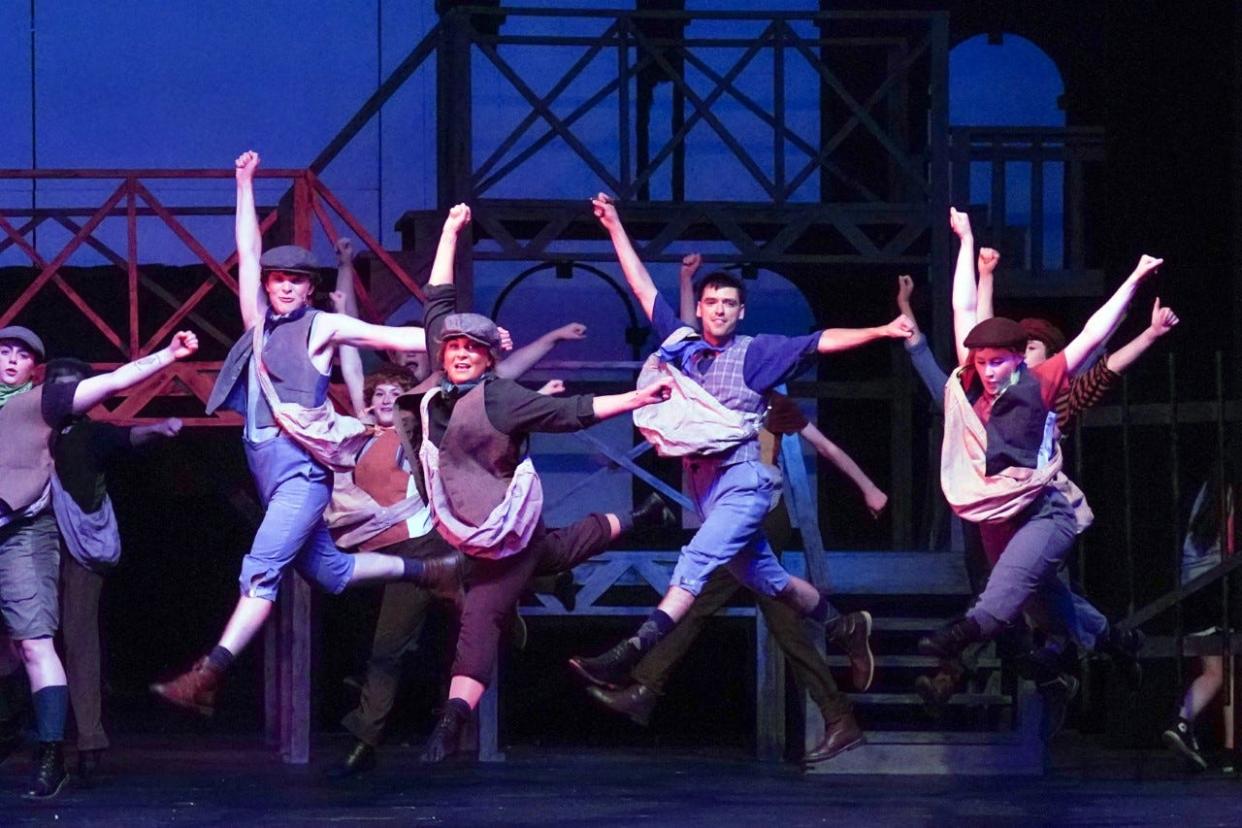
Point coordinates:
[[378, 474], [26, 461], [476, 460]]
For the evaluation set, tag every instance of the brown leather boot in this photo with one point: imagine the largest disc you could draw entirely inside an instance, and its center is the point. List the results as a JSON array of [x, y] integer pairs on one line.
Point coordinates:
[[852, 633], [839, 736], [442, 575], [194, 690]]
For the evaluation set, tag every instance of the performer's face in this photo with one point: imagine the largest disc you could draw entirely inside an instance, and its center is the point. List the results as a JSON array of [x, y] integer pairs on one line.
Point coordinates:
[[465, 359], [418, 363], [720, 308], [286, 292], [383, 402], [1036, 352], [995, 366], [17, 362]]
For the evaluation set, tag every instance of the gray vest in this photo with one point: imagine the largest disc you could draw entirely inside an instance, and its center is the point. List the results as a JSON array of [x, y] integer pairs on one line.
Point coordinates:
[[295, 377], [26, 462], [723, 378]]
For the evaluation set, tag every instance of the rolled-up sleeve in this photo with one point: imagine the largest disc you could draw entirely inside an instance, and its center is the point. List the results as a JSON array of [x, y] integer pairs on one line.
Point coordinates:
[[513, 409]]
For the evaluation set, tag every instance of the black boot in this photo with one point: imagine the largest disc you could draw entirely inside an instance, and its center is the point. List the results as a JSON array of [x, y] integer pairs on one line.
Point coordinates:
[[637, 701], [49, 771], [444, 739], [359, 760], [949, 641], [653, 513], [610, 669]]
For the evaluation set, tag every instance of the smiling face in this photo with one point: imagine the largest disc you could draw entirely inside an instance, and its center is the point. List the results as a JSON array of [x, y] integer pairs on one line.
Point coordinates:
[[719, 308], [17, 362], [995, 366], [383, 402], [464, 359], [286, 291]]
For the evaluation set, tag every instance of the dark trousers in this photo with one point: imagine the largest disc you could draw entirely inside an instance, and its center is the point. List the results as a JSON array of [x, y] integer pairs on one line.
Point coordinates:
[[80, 589], [496, 585], [787, 626]]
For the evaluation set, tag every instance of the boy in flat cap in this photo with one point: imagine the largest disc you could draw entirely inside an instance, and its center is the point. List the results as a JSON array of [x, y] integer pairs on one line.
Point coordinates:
[[297, 343], [470, 429], [29, 543], [1001, 461]]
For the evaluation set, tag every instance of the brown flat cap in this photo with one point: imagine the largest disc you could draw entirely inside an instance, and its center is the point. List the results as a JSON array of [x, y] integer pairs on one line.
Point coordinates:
[[997, 332]]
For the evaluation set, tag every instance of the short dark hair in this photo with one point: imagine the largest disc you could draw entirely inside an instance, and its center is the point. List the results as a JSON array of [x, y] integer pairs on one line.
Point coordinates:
[[62, 367], [719, 279], [387, 375]]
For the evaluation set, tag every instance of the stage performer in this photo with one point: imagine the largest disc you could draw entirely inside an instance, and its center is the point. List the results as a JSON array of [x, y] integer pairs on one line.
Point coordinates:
[[470, 428], [1001, 465], [298, 343], [722, 379], [29, 543], [377, 506]]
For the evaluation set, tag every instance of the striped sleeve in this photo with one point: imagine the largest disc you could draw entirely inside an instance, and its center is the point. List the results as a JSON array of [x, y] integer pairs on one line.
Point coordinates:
[[1084, 391]]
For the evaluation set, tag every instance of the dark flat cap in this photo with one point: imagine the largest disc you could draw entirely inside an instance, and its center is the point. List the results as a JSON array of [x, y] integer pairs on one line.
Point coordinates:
[[25, 336], [997, 332], [290, 258], [472, 326], [1045, 332]]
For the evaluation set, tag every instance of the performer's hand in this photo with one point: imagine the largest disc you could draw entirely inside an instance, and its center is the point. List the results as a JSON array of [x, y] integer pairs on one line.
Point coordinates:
[[876, 502], [960, 222], [905, 288], [606, 212], [1147, 265], [506, 339], [552, 387], [572, 332], [170, 427], [338, 301], [245, 165], [458, 218], [1163, 319], [690, 264], [183, 344], [344, 251], [899, 328], [656, 392], [988, 260]]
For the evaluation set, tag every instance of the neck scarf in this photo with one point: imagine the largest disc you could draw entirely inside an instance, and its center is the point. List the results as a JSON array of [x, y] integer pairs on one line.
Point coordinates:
[[7, 392]]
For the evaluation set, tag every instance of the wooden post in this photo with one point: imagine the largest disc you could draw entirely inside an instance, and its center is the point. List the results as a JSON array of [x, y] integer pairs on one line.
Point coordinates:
[[769, 694]]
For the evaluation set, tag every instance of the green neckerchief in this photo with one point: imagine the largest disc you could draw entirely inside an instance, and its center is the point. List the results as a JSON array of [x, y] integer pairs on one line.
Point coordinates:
[[7, 392]]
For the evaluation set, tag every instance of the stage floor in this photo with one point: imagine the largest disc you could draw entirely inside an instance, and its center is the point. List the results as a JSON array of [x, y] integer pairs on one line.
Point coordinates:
[[195, 780]]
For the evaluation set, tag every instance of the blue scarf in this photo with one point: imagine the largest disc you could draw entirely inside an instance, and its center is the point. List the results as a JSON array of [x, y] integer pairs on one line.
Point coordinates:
[[454, 391]]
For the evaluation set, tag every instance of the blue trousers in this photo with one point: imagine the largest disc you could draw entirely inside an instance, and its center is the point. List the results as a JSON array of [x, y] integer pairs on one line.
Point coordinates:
[[295, 490], [1026, 579], [732, 500]]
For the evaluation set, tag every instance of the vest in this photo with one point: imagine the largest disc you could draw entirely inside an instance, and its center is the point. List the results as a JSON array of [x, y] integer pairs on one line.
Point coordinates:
[[1017, 425], [295, 377], [476, 460], [378, 474], [26, 462], [723, 378]]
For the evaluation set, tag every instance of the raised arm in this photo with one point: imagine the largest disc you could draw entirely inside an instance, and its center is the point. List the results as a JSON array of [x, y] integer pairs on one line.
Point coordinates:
[[832, 340], [921, 356], [875, 499], [1102, 322], [635, 271], [446, 252], [965, 294], [1163, 320], [345, 301], [249, 242], [685, 287], [988, 259], [94, 390], [525, 358]]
